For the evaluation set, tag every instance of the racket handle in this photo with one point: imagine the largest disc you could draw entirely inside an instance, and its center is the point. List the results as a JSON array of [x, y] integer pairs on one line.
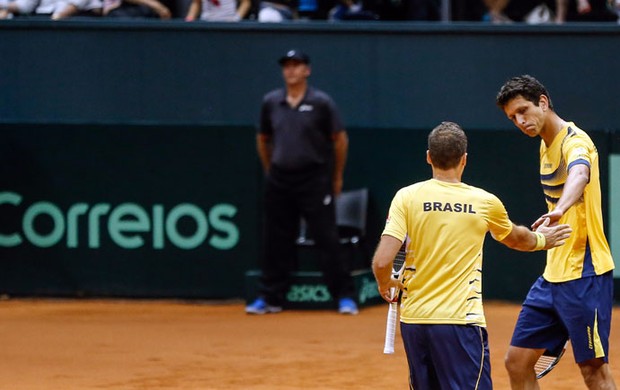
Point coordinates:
[[390, 329]]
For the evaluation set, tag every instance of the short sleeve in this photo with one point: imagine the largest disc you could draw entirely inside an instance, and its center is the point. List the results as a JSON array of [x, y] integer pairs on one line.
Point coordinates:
[[500, 224], [577, 150], [396, 223]]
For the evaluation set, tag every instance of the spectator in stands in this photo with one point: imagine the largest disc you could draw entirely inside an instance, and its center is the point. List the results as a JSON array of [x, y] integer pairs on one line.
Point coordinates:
[[528, 11], [586, 11], [54, 9], [218, 10], [351, 10], [136, 9], [275, 11], [549, 11], [317, 9]]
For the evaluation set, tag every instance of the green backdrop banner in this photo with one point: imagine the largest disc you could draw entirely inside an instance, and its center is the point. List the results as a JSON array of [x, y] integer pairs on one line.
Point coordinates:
[[126, 210], [127, 157], [158, 211]]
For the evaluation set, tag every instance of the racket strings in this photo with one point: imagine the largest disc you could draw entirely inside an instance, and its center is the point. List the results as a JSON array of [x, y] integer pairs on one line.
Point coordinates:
[[544, 363]]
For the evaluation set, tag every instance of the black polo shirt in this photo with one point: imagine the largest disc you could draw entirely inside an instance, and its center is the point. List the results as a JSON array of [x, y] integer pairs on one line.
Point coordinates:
[[301, 136]]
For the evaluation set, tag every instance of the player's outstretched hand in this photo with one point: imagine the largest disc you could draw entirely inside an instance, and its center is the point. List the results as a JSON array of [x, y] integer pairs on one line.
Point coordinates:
[[555, 235], [553, 216]]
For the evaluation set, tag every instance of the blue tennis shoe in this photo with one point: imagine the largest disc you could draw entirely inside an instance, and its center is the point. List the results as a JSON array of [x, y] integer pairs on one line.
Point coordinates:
[[260, 306], [347, 306]]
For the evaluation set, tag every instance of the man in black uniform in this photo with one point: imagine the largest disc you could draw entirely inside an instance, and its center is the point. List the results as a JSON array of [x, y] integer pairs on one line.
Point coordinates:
[[302, 146]]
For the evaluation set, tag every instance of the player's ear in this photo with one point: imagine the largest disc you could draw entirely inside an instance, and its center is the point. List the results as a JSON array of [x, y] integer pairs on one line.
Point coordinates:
[[543, 102]]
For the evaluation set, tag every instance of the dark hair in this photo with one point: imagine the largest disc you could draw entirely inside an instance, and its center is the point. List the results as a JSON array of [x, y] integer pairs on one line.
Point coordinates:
[[526, 86], [447, 143]]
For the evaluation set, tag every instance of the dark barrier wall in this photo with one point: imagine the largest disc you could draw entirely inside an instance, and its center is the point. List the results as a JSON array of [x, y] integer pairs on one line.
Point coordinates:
[[127, 157], [383, 75], [126, 210]]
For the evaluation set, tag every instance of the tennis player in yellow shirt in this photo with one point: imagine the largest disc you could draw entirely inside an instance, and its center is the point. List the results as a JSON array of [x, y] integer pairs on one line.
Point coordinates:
[[444, 223], [573, 298]]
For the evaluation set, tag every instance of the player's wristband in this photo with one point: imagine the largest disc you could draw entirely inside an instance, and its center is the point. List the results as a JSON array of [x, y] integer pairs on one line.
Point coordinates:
[[541, 241]]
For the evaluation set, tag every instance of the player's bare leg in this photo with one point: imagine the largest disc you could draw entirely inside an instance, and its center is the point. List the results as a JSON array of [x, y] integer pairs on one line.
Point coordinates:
[[520, 363], [597, 375]]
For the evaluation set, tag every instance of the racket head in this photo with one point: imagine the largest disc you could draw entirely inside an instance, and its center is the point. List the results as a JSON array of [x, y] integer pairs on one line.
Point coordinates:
[[399, 261], [548, 360]]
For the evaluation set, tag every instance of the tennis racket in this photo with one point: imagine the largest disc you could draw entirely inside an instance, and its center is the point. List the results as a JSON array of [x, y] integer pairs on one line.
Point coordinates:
[[548, 360], [392, 317]]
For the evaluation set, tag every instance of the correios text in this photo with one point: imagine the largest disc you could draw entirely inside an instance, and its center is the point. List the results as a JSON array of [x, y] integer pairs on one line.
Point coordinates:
[[128, 225]]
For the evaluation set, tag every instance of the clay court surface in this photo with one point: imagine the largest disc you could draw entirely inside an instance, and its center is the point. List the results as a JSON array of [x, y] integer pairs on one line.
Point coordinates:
[[77, 344]]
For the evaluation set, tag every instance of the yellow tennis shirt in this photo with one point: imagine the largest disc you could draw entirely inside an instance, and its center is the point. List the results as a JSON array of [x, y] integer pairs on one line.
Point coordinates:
[[568, 262], [445, 225]]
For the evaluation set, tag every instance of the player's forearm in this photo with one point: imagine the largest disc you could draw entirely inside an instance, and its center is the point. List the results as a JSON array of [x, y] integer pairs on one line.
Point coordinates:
[[382, 272], [545, 237], [573, 189], [382, 269], [522, 239], [384, 258]]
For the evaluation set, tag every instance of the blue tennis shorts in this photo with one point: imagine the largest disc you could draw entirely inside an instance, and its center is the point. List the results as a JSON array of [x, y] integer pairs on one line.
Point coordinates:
[[579, 310], [447, 357]]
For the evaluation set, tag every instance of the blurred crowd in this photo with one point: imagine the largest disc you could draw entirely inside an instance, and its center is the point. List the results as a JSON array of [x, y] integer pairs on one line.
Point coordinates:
[[273, 11]]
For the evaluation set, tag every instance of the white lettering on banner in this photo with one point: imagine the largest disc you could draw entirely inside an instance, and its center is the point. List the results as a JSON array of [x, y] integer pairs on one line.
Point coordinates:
[[128, 225]]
